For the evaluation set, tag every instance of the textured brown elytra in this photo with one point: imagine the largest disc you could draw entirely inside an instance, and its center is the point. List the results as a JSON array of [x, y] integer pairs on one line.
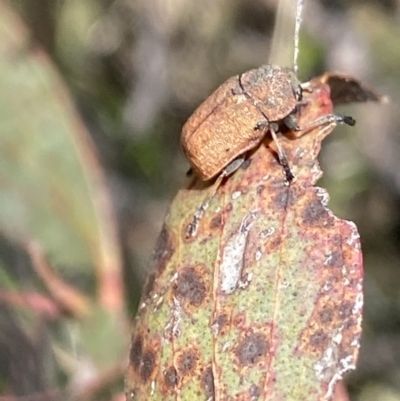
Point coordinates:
[[236, 117]]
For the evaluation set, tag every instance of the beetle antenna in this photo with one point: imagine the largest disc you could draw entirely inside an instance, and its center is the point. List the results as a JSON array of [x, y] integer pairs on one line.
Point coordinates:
[[299, 13]]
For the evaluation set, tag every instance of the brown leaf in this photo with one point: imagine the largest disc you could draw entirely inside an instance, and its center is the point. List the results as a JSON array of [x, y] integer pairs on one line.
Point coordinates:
[[346, 89], [264, 303]]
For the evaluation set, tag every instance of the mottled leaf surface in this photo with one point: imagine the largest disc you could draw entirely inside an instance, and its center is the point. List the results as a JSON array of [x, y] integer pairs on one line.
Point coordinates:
[[264, 302]]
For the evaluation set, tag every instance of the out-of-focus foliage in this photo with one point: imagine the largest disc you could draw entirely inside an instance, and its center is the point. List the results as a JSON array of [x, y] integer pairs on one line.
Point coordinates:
[[135, 70]]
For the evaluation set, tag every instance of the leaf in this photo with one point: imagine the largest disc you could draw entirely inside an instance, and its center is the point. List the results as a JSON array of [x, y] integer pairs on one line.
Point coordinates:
[[346, 89], [52, 185], [264, 303]]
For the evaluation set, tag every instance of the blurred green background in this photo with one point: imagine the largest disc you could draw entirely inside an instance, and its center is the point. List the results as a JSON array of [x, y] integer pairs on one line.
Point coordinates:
[[92, 98]]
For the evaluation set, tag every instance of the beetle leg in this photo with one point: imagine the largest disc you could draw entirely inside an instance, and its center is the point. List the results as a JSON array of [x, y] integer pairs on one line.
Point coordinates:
[[232, 167], [228, 170], [329, 119], [273, 128]]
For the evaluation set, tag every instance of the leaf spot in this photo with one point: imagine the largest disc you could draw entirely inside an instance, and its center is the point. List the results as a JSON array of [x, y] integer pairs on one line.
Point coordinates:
[[207, 383], [326, 315], [187, 362], [171, 377], [216, 222], [255, 392], [147, 365], [319, 339], [315, 213], [251, 349], [219, 323], [135, 355], [191, 287]]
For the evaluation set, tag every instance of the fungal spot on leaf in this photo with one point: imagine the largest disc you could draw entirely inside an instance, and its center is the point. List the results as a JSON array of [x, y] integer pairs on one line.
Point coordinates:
[[326, 315], [207, 383], [187, 362], [346, 310], [276, 243], [251, 349], [294, 195], [191, 287], [171, 377], [349, 323], [228, 207], [319, 339], [239, 319], [281, 199], [335, 259], [147, 365], [219, 324], [136, 352], [255, 392], [163, 250], [315, 213], [216, 222]]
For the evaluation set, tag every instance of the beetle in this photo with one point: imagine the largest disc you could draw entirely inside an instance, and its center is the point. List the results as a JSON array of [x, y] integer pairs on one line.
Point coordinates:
[[235, 118]]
